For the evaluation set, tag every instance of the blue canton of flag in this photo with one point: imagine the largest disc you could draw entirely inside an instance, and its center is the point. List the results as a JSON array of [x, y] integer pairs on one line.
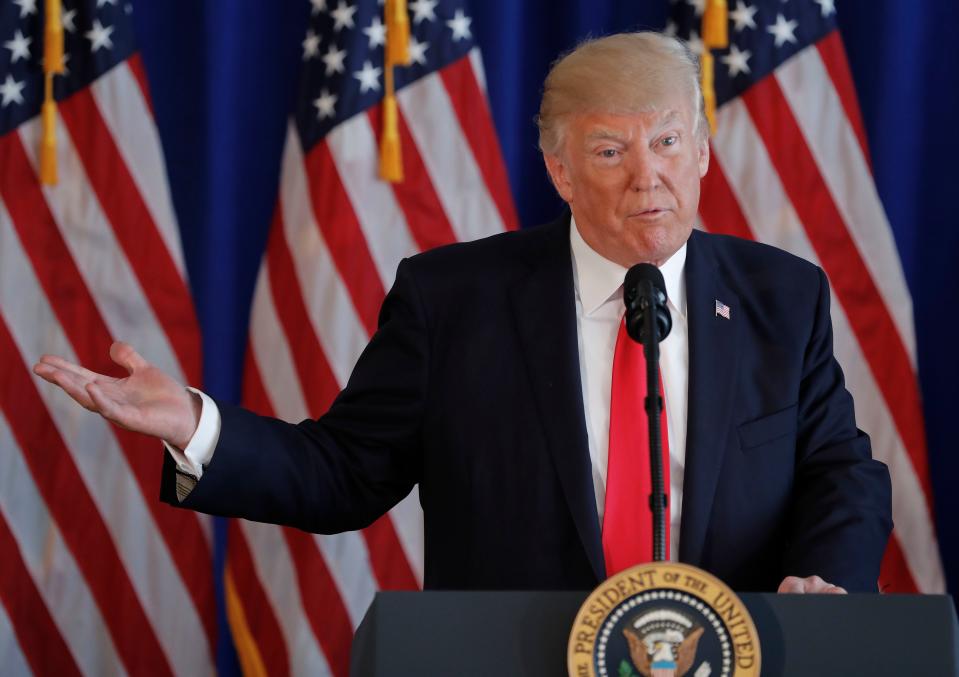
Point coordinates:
[[97, 36], [762, 35], [343, 54]]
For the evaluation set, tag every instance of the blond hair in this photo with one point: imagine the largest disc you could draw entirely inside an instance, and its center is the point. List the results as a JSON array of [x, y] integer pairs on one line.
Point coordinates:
[[621, 74]]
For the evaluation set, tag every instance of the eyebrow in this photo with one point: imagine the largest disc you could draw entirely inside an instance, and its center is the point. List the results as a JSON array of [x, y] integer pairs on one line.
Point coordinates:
[[670, 117]]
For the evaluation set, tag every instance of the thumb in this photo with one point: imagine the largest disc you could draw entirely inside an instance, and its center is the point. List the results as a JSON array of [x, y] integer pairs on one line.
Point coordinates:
[[123, 354]]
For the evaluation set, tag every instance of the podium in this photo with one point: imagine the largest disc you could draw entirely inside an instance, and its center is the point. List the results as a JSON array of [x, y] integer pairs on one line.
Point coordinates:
[[525, 634]]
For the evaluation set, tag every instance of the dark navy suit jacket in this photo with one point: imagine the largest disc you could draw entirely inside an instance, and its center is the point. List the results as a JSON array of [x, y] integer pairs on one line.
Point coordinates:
[[471, 388]]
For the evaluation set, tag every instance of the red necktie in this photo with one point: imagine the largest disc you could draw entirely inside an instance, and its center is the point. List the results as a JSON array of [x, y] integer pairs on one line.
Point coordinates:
[[627, 518]]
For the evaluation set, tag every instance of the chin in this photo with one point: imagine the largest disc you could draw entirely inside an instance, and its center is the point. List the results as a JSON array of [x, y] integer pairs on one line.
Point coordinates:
[[656, 243]]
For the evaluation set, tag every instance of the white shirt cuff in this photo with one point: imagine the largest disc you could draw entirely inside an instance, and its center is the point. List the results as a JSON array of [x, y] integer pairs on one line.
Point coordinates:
[[199, 451]]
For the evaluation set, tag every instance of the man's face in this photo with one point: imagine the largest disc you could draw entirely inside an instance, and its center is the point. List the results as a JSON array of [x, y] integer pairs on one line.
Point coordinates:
[[632, 181]]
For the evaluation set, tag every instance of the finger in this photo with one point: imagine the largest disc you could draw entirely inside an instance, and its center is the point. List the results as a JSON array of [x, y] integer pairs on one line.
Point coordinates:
[[815, 584], [66, 365], [123, 354], [792, 584], [73, 385]]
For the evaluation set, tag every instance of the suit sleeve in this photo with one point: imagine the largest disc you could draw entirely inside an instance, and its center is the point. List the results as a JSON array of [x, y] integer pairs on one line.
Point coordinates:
[[344, 470], [841, 515]]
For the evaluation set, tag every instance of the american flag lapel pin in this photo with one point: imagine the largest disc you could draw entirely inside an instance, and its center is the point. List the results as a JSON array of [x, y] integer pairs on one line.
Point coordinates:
[[722, 310]]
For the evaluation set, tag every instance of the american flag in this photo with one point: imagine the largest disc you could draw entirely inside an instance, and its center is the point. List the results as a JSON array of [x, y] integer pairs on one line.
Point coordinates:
[[338, 234], [96, 575], [790, 167], [722, 310]]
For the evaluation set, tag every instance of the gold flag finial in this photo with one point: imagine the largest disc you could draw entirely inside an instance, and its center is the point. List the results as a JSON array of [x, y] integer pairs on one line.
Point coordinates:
[[396, 53], [715, 32], [52, 65]]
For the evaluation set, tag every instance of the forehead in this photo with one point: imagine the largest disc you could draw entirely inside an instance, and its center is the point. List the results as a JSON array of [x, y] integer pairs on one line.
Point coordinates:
[[608, 124]]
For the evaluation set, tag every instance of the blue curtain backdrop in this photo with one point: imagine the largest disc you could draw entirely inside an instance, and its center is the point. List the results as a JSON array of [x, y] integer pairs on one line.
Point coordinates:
[[223, 75]]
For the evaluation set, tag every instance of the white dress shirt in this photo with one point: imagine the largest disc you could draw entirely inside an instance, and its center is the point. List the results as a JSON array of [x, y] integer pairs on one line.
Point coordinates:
[[598, 283], [599, 311]]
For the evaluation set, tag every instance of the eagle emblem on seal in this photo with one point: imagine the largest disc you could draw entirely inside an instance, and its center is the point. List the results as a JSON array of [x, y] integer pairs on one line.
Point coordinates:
[[662, 643]]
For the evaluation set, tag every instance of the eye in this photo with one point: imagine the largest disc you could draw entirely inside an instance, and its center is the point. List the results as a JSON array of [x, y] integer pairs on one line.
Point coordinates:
[[671, 140], [608, 153]]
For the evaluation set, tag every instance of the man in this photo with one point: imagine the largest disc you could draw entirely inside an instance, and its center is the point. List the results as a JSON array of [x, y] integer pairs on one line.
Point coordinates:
[[492, 380]]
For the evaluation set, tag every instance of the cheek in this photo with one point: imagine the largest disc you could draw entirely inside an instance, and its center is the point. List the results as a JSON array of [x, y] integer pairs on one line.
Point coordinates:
[[601, 188]]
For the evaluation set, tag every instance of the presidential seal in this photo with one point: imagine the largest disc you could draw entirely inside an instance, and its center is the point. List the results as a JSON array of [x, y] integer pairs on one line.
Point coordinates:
[[663, 619]]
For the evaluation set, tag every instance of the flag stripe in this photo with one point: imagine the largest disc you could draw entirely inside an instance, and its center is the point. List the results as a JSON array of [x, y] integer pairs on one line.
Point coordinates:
[[476, 123], [895, 576], [466, 200], [772, 219], [476, 61], [11, 656], [344, 238], [134, 227], [869, 317], [273, 565], [332, 314], [415, 195], [64, 492], [354, 150], [308, 358], [101, 262], [135, 62], [269, 352], [51, 565], [718, 208], [388, 558], [348, 560], [38, 636], [258, 612], [121, 101], [833, 56], [324, 607], [832, 143], [79, 315]]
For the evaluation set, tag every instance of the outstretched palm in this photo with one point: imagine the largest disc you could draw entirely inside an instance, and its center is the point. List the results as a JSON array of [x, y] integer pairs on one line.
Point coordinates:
[[147, 401]]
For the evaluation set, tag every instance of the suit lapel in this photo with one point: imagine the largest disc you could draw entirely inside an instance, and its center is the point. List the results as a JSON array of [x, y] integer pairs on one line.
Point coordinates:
[[713, 358], [545, 317]]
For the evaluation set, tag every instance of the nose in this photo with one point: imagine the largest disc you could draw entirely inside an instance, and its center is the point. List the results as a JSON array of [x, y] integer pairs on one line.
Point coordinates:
[[644, 174]]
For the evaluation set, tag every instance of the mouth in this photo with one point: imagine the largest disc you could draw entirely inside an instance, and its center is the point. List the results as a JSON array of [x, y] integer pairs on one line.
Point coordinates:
[[650, 213]]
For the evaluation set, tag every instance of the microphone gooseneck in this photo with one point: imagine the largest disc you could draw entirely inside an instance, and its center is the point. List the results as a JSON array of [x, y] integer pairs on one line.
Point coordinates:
[[648, 322]]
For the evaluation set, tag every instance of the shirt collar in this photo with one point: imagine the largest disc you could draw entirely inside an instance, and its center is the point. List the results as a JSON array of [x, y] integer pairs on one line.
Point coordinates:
[[597, 279]]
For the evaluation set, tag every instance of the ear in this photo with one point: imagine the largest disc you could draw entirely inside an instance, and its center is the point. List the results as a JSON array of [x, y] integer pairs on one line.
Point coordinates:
[[559, 175], [703, 156]]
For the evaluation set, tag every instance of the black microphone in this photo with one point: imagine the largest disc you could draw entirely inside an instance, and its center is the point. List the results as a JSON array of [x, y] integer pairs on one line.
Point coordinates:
[[644, 290], [648, 322]]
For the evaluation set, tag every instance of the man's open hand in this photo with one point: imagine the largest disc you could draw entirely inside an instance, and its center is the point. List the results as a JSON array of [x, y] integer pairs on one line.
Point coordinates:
[[810, 584], [146, 401]]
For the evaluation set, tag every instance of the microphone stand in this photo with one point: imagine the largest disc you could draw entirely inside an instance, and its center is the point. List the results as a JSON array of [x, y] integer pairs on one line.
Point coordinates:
[[654, 407]]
